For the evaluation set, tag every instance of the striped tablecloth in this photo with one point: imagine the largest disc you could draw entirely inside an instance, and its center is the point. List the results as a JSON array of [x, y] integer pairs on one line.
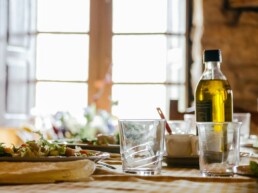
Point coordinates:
[[176, 180]]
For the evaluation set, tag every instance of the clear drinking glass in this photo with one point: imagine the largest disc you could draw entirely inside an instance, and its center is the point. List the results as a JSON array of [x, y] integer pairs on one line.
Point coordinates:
[[142, 145], [218, 147], [245, 118]]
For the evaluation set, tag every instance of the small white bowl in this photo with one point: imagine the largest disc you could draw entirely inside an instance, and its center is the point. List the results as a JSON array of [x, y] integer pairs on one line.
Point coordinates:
[[181, 145]]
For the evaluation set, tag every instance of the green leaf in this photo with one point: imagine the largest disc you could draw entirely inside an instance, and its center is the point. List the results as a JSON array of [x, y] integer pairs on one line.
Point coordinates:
[[254, 167], [118, 138]]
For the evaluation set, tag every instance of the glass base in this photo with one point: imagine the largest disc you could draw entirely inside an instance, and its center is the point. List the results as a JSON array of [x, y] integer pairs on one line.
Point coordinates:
[[213, 174], [143, 172]]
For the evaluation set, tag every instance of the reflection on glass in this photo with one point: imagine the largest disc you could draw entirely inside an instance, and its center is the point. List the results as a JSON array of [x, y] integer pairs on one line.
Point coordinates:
[[53, 97], [62, 57], [139, 58], [139, 16], [138, 101], [63, 15]]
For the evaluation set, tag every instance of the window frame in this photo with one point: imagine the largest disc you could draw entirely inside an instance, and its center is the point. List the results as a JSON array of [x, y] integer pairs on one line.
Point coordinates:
[[100, 56]]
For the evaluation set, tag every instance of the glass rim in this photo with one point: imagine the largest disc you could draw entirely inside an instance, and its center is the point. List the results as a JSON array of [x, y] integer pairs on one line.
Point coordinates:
[[177, 121], [149, 119], [219, 123]]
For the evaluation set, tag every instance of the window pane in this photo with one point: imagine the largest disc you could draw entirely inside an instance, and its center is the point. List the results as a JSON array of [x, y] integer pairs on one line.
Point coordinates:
[[139, 15], [138, 101], [17, 88], [177, 16], [18, 23], [139, 58], [53, 97], [62, 57], [176, 59], [63, 15]]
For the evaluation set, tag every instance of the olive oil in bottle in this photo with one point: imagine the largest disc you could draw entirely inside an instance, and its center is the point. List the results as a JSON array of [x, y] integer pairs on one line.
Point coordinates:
[[213, 95]]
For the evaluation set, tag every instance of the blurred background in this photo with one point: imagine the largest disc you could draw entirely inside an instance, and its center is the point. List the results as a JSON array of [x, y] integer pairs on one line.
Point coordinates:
[[68, 65]]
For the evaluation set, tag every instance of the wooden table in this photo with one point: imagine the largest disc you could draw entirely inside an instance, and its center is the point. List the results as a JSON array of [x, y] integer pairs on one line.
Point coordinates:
[[176, 180]]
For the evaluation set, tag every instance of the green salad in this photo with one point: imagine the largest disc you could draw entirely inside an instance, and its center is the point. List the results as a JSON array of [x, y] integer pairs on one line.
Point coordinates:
[[102, 140], [40, 148]]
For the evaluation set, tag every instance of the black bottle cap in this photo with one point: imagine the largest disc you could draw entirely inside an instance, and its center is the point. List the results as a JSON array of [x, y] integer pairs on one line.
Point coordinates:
[[212, 56]]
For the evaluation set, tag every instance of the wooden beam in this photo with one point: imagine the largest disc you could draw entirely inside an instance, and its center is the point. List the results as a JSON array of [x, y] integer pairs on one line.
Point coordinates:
[[100, 59], [243, 3]]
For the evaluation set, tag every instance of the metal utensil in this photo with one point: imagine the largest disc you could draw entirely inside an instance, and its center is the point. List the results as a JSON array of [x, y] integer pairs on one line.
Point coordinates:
[[106, 165]]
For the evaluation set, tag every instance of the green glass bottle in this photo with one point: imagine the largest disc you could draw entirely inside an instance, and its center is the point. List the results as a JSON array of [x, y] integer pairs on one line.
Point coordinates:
[[213, 95]]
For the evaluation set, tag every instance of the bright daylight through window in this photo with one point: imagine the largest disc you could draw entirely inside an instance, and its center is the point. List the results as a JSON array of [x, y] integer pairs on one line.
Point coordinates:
[[148, 55], [124, 56]]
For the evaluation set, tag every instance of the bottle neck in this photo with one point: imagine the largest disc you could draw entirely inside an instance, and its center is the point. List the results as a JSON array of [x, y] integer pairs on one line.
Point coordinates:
[[212, 71], [212, 65]]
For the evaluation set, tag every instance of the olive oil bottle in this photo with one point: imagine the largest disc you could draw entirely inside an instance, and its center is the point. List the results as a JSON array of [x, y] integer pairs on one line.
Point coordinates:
[[213, 95]]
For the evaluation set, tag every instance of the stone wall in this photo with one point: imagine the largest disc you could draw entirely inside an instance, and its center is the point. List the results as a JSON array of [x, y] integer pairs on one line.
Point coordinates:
[[232, 26]]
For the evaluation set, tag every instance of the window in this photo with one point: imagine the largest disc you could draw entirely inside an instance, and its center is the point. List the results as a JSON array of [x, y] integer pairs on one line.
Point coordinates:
[[132, 52], [148, 55], [62, 58]]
